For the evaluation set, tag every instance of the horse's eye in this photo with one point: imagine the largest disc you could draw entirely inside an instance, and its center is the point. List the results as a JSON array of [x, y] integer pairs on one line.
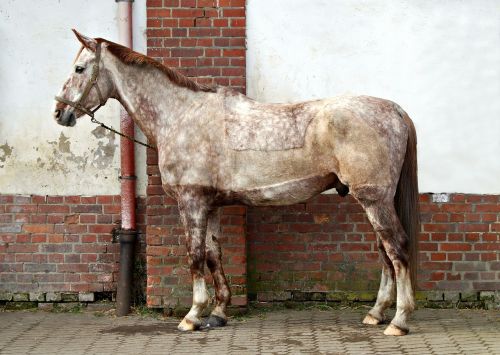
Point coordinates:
[[79, 69]]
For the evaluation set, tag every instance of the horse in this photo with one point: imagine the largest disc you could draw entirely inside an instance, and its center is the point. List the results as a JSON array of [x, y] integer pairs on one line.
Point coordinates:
[[218, 147]]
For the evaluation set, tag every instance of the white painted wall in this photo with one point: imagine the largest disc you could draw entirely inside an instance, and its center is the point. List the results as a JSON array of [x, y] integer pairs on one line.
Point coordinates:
[[37, 156], [440, 60]]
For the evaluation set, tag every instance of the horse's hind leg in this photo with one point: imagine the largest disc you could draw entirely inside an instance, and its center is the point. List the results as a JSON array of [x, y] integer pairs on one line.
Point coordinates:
[[385, 222], [218, 317], [385, 294], [194, 214]]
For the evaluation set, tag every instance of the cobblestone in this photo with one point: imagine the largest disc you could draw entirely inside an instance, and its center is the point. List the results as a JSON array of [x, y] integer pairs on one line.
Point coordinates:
[[311, 331]]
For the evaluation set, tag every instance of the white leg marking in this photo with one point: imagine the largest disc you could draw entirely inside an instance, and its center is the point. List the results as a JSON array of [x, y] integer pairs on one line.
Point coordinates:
[[192, 320], [385, 298], [405, 303]]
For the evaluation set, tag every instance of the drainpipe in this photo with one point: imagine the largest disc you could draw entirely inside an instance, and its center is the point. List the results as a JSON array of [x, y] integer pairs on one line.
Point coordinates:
[[127, 233]]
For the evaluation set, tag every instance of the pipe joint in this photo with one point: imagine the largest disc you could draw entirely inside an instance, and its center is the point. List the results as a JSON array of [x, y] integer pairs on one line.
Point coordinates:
[[124, 236]]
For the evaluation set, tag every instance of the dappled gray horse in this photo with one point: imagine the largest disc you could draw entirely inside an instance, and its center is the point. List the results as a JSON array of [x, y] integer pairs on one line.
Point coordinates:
[[218, 147]]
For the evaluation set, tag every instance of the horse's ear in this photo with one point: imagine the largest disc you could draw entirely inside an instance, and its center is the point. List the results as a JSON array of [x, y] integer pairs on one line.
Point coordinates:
[[87, 42]]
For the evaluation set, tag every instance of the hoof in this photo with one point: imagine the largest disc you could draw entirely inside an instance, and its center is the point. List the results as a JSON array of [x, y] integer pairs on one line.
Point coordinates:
[[213, 322], [395, 330], [188, 325], [371, 320]]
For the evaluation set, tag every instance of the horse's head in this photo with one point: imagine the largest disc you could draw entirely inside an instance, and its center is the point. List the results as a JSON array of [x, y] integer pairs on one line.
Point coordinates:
[[88, 87]]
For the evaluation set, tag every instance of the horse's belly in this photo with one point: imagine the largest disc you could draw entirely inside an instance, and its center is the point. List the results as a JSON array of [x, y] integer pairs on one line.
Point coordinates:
[[284, 193]]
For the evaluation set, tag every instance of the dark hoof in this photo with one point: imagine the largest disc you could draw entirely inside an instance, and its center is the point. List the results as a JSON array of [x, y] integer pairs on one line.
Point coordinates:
[[213, 322]]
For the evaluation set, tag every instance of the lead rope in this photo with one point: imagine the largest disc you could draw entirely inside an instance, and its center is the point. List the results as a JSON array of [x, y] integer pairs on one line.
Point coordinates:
[[94, 120]]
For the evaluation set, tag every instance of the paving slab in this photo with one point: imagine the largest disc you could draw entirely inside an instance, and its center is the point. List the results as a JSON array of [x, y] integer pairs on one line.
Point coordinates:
[[310, 331]]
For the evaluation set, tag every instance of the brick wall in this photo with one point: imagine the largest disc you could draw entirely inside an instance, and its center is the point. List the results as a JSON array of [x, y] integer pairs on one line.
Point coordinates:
[[328, 245], [59, 243], [204, 39]]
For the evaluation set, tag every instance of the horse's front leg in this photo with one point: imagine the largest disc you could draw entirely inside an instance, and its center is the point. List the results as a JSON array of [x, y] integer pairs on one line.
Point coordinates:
[[194, 212], [218, 317]]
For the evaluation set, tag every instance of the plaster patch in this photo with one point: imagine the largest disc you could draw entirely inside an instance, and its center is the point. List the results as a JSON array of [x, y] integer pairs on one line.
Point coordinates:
[[5, 152], [439, 198], [105, 152]]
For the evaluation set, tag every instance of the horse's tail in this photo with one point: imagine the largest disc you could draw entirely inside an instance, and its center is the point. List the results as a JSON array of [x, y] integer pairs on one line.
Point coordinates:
[[406, 199]]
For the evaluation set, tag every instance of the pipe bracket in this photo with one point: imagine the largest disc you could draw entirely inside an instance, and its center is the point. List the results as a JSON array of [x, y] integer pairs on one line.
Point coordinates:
[[127, 177]]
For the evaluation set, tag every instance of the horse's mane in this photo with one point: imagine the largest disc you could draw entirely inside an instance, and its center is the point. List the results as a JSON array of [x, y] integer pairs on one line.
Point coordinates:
[[128, 56]]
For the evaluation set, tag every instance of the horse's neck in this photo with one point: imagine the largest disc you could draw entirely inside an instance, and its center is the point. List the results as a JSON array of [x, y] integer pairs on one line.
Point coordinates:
[[151, 99]]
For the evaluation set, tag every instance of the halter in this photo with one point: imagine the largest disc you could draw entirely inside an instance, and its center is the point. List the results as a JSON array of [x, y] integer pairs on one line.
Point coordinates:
[[90, 84]]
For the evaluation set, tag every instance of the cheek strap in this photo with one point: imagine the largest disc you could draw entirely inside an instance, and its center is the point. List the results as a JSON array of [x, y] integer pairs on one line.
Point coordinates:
[[86, 91]]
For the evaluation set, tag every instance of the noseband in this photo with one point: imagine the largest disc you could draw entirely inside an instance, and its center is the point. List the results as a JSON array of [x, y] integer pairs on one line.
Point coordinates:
[[92, 83]]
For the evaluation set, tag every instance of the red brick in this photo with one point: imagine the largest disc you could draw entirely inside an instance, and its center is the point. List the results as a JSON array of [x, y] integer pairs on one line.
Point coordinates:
[[55, 199], [233, 32], [72, 199], [205, 3], [182, 12], [234, 210], [436, 265], [38, 238], [158, 250], [438, 256], [21, 209], [234, 12], [437, 276], [487, 246], [38, 228], [55, 238], [439, 227], [239, 22], [489, 256], [473, 227], [488, 208], [158, 13], [455, 256], [455, 247]]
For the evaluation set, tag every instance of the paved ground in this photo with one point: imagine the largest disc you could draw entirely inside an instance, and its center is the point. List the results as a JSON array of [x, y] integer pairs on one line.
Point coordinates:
[[289, 331]]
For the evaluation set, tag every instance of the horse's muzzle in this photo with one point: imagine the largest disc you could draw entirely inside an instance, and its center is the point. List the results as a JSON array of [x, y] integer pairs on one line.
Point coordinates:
[[65, 118]]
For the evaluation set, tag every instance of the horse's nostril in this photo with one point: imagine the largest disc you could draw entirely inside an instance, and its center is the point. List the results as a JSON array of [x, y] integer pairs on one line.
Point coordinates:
[[57, 113]]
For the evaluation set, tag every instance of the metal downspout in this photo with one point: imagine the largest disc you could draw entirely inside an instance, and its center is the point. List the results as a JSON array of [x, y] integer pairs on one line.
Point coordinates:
[[127, 233]]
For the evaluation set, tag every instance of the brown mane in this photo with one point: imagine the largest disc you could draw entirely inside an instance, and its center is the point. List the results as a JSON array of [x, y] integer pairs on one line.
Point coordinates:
[[128, 56]]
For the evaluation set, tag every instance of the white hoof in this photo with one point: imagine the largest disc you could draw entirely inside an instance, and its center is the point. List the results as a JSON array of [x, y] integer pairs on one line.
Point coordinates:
[[371, 320], [395, 330], [188, 325]]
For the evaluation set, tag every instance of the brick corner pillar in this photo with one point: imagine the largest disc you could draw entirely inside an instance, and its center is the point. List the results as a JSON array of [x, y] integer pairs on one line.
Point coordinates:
[[204, 40]]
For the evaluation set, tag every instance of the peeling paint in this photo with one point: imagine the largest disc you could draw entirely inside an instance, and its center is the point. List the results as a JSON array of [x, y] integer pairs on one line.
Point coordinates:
[[100, 157], [103, 155], [5, 152], [64, 144], [61, 154]]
